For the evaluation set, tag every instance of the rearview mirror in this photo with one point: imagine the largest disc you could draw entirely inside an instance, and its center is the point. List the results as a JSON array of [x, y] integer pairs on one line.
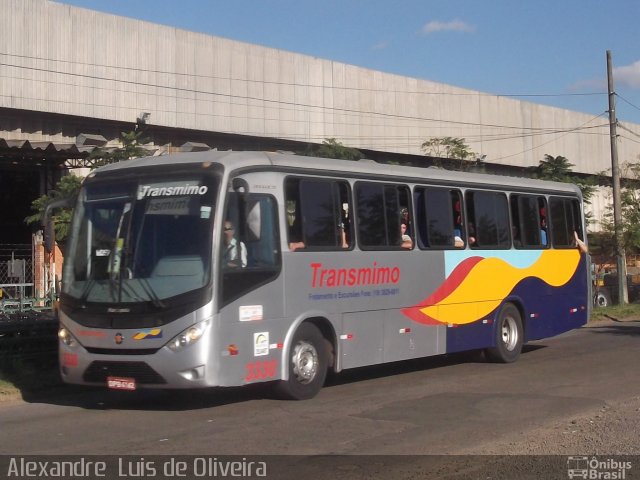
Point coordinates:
[[48, 225], [254, 220]]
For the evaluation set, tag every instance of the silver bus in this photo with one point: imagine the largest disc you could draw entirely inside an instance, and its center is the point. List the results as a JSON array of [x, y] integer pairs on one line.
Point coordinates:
[[230, 268]]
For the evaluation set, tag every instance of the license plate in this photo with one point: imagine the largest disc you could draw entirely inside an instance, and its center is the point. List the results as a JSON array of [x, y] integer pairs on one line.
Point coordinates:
[[121, 383]]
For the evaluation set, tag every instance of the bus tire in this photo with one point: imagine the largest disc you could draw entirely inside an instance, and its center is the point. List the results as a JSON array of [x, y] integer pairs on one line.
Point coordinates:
[[509, 336], [308, 364]]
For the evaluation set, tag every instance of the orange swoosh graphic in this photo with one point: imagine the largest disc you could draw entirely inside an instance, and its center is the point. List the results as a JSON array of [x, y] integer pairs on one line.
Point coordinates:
[[477, 286]]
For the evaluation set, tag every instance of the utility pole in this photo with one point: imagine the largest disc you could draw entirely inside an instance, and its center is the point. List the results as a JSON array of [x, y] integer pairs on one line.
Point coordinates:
[[623, 297]]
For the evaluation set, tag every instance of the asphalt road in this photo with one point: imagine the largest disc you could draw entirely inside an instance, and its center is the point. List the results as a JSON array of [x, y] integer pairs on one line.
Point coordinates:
[[446, 405]]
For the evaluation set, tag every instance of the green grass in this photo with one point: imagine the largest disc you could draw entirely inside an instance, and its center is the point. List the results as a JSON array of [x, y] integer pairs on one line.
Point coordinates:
[[630, 311], [7, 389]]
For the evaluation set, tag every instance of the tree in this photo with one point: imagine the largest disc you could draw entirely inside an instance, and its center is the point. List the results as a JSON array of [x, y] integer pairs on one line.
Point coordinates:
[[448, 147], [453, 148], [131, 148], [69, 186], [331, 148], [630, 214], [559, 169]]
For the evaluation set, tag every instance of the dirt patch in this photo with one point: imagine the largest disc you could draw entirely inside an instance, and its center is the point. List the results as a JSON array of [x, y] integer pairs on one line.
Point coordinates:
[[611, 429]]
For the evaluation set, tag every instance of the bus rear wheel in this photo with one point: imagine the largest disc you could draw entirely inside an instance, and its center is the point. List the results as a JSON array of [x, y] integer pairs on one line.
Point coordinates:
[[308, 363], [508, 336]]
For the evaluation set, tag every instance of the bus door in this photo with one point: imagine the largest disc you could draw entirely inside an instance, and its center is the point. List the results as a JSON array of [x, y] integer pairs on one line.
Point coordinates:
[[251, 330]]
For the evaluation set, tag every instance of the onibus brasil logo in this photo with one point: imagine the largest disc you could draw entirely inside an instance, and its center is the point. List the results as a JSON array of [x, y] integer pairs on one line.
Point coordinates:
[[594, 468]]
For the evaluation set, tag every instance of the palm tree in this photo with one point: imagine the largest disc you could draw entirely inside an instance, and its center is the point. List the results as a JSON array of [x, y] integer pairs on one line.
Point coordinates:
[[558, 168]]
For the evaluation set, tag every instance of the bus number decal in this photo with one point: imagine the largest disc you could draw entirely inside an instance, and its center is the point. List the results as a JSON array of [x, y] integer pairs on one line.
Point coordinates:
[[70, 359], [260, 370]]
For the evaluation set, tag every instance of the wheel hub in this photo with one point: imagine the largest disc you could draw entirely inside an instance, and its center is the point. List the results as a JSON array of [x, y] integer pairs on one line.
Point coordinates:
[[305, 362], [509, 333]]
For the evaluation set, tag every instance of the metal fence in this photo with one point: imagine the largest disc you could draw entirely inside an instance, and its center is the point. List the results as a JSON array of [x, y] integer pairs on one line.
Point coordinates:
[[16, 277], [25, 333]]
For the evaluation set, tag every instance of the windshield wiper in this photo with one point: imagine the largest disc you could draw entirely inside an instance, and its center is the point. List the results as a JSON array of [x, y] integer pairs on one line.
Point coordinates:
[[153, 296], [86, 291]]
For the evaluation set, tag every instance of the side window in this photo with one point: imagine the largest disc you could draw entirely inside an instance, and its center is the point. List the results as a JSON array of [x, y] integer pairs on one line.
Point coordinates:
[[439, 218], [528, 221], [488, 220], [566, 218], [383, 216], [317, 213], [250, 246]]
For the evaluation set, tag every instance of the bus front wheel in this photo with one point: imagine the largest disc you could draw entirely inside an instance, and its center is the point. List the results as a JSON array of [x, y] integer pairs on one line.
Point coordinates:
[[308, 363], [508, 336]]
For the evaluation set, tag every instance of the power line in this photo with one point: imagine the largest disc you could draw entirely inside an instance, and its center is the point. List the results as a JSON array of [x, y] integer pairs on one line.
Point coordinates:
[[630, 139], [407, 141], [628, 130], [485, 137], [585, 94], [507, 136], [309, 109], [297, 84], [627, 101], [550, 141], [257, 99]]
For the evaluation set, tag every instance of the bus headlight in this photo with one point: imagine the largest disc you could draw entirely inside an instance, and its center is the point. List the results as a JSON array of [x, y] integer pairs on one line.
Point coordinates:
[[188, 337], [65, 337]]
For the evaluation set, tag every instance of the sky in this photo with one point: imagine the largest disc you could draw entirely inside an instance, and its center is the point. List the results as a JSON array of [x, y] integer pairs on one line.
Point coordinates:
[[544, 51]]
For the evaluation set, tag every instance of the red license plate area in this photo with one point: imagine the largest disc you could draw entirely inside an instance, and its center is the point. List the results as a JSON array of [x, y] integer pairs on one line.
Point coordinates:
[[121, 383]]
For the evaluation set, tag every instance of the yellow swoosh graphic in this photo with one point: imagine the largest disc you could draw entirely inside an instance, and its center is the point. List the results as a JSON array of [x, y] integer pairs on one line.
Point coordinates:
[[150, 333], [492, 279]]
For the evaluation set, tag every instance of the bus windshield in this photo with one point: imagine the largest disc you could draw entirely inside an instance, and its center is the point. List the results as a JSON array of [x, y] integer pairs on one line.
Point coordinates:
[[140, 241]]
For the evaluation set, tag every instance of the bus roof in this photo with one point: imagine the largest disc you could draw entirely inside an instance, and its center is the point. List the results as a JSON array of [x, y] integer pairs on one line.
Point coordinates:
[[247, 160]]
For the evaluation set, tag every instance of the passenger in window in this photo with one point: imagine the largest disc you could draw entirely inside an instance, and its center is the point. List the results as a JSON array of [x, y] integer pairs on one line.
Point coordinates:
[[404, 218], [543, 236], [457, 238], [543, 227], [515, 233], [343, 235], [406, 239], [235, 252], [295, 234], [472, 235], [345, 219], [580, 244], [293, 246], [457, 231]]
